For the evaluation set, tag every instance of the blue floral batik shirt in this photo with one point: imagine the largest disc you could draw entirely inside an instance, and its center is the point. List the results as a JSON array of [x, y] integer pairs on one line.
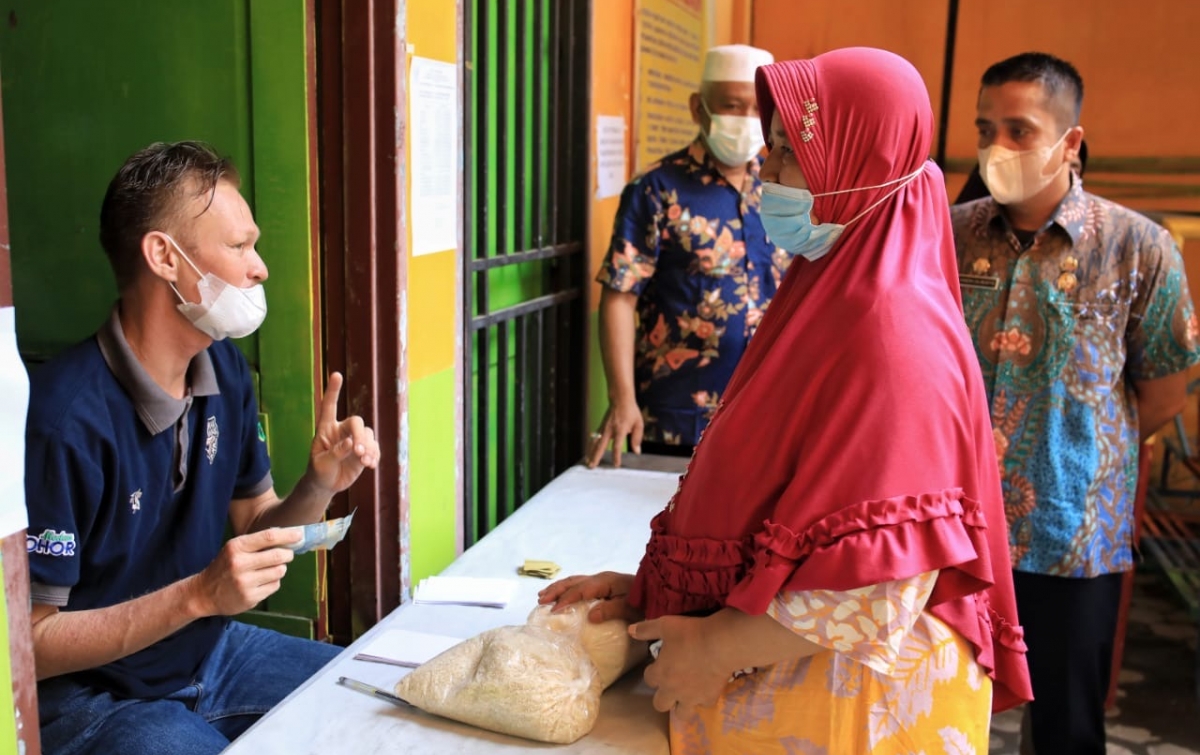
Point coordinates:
[[693, 249], [1062, 330]]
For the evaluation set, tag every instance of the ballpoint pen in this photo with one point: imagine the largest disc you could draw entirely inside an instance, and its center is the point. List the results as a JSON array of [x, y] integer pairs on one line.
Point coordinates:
[[373, 691]]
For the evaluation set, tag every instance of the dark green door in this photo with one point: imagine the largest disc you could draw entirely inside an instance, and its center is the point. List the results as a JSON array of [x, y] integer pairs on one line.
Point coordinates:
[[85, 84]]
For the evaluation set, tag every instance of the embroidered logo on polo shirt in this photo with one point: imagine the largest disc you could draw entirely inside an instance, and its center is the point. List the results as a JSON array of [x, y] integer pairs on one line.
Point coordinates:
[[135, 501], [51, 543], [210, 440]]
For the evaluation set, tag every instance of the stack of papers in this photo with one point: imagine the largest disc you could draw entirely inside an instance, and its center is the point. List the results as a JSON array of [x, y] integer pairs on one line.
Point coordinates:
[[400, 647], [466, 591]]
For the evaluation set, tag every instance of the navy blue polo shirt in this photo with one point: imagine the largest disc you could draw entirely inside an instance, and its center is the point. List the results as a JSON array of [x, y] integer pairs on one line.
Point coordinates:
[[128, 489]]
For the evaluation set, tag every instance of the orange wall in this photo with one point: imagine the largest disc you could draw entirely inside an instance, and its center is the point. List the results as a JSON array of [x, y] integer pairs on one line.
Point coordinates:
[[1140, 67], [612, 94], [916, 29], [1138, 60], [731, 21], [1141, 75]]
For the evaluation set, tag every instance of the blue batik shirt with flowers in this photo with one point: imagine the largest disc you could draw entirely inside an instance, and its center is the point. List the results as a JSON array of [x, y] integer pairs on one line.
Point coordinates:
[[693, 250]]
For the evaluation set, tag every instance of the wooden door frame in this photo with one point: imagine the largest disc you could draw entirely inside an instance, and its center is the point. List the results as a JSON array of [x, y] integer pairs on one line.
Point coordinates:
[[360, 88]]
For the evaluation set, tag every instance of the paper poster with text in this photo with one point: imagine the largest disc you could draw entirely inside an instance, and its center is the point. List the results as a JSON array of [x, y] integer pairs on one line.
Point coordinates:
[[670, 39]]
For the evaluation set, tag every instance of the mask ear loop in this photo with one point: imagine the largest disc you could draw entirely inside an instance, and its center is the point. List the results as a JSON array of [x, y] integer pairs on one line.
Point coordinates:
[[885, 184], [906, 181], [1065, 162], [185, 259]]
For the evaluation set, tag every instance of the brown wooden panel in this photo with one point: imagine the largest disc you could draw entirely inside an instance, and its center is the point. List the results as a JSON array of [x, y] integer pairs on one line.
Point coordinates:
[[361, 96], [1139, 64], [915, 29], [20, 644]]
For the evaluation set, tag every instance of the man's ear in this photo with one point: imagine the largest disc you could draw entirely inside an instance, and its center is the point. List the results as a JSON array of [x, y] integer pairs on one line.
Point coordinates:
[[698, 115], [1071, 144], [160, 256]]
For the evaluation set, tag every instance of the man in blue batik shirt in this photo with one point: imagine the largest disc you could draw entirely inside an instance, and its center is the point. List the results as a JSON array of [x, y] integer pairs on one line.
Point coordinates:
[[1084, 329], [143, 445], [689, 273]]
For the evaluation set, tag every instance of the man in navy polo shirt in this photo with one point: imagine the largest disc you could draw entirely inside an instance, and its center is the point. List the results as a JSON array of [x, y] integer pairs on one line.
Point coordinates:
[[143, 443]]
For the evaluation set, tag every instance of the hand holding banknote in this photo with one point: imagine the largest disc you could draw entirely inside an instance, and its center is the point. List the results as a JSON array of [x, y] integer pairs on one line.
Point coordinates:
[[320, 536], [245, 572]]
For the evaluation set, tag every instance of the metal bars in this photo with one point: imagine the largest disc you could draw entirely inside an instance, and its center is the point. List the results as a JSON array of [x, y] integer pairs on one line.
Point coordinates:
[[525, 269]]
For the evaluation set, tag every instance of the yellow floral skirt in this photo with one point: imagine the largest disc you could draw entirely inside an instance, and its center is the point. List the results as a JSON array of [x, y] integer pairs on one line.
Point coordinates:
[[937, 701]]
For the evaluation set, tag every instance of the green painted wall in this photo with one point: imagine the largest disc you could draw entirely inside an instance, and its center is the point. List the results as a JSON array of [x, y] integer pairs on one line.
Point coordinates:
[[85, 84], [280, 138], [597, 383], [433, 516]]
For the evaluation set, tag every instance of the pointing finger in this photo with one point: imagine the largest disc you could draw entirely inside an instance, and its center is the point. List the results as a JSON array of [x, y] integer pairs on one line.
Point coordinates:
[[329, 402]]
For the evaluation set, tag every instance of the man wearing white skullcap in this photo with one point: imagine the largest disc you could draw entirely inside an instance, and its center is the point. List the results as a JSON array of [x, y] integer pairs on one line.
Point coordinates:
[[689, 272]]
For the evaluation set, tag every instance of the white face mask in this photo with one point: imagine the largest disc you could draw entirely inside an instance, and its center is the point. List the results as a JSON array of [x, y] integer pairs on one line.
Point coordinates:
[[224, 311], [733, 139], [1012, 177]]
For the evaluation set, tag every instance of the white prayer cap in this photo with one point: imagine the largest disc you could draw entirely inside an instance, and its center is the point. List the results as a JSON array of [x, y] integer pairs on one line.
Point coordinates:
[[734, 63]]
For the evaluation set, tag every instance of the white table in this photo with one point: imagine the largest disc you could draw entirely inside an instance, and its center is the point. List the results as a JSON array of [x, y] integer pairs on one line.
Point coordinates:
[[586, 521]]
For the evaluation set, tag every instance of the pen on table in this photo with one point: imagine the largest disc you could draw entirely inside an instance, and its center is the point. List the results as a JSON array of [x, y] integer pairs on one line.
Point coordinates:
[[367, 689]]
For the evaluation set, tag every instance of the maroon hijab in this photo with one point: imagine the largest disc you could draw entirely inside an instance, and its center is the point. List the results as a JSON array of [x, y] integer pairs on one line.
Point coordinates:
[[853, 445]]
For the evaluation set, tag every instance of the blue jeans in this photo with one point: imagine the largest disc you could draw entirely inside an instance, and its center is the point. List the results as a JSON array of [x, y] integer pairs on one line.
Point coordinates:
[[245, 675]]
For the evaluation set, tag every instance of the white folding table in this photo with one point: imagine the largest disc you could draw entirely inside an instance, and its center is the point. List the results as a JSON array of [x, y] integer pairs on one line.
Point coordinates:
[[586, 521]]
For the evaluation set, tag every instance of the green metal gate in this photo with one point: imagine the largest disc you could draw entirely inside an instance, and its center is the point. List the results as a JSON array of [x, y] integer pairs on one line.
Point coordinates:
[[526, 137]]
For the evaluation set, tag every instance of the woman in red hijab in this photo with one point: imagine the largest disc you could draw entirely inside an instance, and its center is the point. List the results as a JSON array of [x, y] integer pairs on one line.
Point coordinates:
[[832, 574]]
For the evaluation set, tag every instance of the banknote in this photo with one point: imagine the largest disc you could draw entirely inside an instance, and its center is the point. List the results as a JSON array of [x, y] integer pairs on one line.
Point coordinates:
[[322, 535]]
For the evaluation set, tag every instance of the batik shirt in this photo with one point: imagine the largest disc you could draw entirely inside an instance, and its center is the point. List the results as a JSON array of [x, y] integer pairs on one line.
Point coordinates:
[[1063, 330], [693, 249]]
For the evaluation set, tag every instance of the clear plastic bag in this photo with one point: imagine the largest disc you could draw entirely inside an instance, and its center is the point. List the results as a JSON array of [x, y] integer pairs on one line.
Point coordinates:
[[607, 644], [527, 681]]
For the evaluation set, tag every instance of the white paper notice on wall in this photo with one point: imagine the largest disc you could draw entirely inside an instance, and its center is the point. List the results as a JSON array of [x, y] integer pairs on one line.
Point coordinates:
[[14, 404], [433, 165], [611, 164]]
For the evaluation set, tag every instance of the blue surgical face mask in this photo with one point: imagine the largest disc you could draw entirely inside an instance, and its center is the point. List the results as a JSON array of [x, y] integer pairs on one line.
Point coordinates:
[[786, 217]]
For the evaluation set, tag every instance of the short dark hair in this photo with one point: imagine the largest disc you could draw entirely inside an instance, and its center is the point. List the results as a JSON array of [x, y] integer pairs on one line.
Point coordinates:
[[1060, 81], [146, 193]]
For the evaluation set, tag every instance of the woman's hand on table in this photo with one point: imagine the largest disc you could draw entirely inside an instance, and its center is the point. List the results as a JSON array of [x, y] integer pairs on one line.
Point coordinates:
[[610, 588], [685, 675]]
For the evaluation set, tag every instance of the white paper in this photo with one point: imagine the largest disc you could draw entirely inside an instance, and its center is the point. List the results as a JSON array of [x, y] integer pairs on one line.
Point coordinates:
[[433, 163], [466, 591], [405, 648], [611, 165], [14, 404]]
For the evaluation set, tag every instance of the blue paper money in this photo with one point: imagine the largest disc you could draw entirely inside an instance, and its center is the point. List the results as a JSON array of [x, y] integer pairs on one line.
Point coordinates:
[[321, 536]]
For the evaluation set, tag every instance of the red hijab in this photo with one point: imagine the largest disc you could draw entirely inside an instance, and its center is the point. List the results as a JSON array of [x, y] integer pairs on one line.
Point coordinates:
[[854, 442]]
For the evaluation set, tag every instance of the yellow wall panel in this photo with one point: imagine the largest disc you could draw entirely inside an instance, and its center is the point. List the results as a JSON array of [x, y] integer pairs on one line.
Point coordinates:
[[433, 315]]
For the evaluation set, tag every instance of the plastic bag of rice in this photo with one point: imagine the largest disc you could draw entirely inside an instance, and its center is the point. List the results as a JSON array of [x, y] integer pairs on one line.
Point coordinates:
[[527, 681], [608, 643]]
